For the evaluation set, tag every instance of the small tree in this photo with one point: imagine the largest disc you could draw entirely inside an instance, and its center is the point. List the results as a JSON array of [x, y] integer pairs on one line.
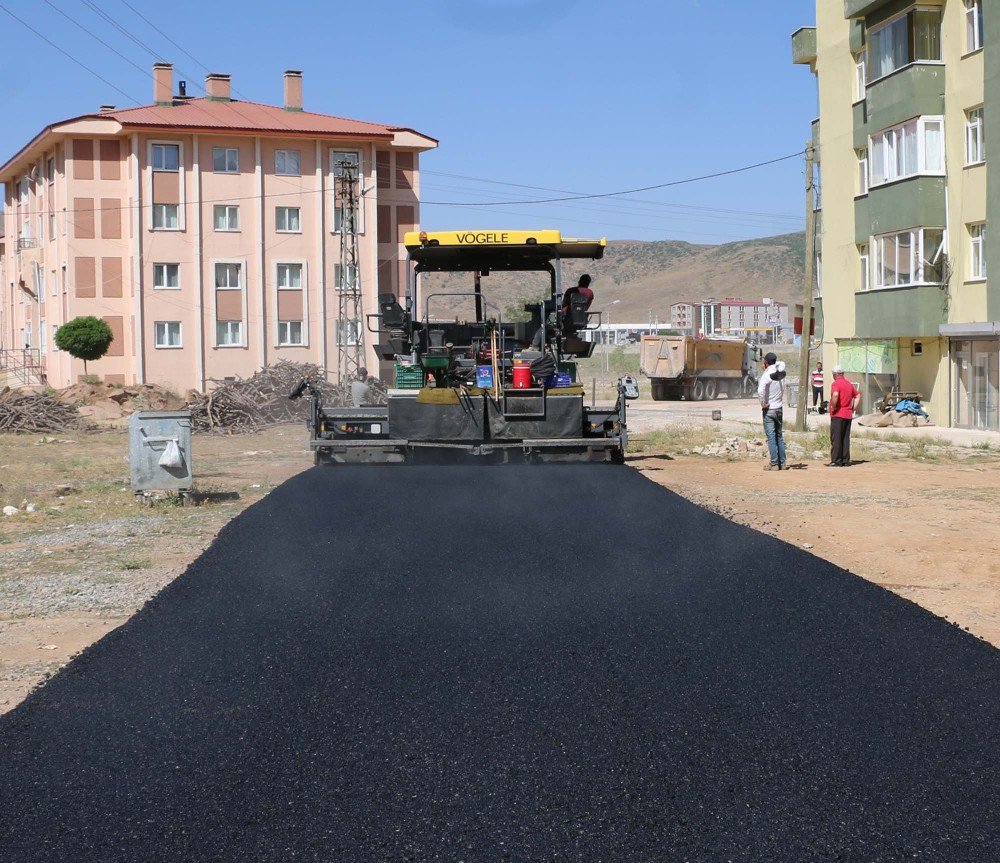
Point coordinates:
[[84, 338]]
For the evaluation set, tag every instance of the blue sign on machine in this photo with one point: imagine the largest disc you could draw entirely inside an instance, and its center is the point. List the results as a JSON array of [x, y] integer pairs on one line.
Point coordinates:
[[484, 377]]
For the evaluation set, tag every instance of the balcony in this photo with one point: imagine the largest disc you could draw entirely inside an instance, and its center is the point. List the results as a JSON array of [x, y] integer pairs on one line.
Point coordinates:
[[26, 243], [913, 91], [804, 45], [913, 202], [860, 8], [901, 312]]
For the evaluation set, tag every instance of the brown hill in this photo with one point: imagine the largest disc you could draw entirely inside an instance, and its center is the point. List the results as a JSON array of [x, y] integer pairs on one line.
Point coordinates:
[[648, 276]]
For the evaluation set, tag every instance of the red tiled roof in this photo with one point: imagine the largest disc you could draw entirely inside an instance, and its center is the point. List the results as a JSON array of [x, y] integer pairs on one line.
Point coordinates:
[[246, 116]]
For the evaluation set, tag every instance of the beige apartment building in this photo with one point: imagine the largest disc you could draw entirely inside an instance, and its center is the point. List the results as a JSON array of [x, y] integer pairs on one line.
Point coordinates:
[[205, 231], [907, 133], [732, 315]]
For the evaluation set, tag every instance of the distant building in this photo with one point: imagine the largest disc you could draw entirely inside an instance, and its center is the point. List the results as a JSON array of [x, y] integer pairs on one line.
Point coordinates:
[[731, 316], [205, 232]]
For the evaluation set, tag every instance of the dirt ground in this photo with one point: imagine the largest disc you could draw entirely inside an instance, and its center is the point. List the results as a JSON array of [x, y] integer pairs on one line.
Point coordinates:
[[921, 521]]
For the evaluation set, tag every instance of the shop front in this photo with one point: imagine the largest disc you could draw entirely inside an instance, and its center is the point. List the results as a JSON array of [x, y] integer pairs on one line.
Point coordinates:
[[976, 381]]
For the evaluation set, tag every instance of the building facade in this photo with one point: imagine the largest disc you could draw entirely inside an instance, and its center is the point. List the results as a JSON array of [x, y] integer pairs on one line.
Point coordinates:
[[732, 316], [205, 232], [908, 131]]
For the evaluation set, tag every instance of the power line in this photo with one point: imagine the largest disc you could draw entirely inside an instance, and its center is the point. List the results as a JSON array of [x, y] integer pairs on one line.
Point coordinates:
[[95, 8], [670, 184], [649, 201], [70, 56], [165, 36]]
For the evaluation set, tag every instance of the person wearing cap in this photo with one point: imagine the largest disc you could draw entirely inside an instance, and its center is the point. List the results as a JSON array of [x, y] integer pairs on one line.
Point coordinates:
[[771, 389], [844, 399]]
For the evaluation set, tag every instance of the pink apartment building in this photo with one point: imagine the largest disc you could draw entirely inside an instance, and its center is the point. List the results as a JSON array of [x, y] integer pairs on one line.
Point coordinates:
[[204, 231]]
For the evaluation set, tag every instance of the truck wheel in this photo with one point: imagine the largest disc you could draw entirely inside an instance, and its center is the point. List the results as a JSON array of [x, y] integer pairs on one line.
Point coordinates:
[[711, 389], [658, 390], [698, 391]]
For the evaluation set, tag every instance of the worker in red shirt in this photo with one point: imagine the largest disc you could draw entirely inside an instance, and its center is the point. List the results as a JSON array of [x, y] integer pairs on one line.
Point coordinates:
[[844, 399], [582, 289]]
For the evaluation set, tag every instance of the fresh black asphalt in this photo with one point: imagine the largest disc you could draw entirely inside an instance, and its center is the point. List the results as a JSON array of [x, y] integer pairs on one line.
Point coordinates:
[[509, 664]]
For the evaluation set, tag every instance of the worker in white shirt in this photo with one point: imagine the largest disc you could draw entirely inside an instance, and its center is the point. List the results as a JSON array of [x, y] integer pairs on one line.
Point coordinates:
[[771, 389]]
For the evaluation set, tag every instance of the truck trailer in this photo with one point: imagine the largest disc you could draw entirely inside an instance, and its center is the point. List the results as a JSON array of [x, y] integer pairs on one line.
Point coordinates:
[[480, 387], [697, 369]]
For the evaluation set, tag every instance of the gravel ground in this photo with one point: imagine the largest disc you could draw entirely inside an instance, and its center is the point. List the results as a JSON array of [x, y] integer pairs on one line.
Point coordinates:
[[466, 664]]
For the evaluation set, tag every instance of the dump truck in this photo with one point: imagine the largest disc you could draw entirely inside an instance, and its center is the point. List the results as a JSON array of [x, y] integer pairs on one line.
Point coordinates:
[[698, 369], [482, 386]]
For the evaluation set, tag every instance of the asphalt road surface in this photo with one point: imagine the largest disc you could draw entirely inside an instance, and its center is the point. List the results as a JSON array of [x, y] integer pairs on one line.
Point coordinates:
[[485, 664]]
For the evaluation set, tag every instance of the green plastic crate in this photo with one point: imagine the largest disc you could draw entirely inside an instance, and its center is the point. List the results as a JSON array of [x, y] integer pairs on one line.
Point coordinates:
[[409, 377]]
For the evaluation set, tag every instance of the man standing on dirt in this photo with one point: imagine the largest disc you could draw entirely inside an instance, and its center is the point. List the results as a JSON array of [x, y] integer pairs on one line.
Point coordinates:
[[817, 383], [771, 390], [844, 398]]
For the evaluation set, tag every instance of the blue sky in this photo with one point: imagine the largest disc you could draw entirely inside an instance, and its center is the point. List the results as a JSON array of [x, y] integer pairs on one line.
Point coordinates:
[[587, 96]]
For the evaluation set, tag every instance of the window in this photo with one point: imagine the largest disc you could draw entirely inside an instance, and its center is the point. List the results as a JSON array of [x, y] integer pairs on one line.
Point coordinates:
[[23, 189], [228, 334], [166, 276], [975, 149], [338, 160], [348, 332], [289, 332], [53, 227], [909, 258], [168, 334], [865, 263], [50, 169], [55, 347], [287, 220], [229, 276], [860, 78], [43, 337], [225, 160], [973, 25], [289, 276], [863, 171], [338, 276], [915, 35], [41, 286], [914, 148], [166, 157], [287, 163], [977, 251], [227, 217], [165, 217]]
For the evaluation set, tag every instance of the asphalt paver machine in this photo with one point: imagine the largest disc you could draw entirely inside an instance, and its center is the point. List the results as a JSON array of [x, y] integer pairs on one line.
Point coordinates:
[[484, 386]]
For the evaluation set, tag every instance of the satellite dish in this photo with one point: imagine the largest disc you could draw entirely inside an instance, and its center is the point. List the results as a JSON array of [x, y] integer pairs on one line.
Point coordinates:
[[767, 301]]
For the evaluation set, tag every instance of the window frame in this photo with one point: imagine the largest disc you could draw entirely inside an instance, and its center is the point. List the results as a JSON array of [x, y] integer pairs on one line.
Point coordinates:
[[284, 339], [873, 31], [977, 252], [860, 76], [864, 171], [286, 173], [286, 230], [164, 265], [340, 332], [181, 178], [897, 136], [865, 265], [975, 131], [166, 324], [334, 153], [973, 26], [153, 212], [226, 152], [162, 146], [917, 243], [287, 265], [226, 208], [239, 343], [241, 279]]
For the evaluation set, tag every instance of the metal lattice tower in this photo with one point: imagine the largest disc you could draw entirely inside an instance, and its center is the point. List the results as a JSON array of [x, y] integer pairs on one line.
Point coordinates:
[[350, 309]]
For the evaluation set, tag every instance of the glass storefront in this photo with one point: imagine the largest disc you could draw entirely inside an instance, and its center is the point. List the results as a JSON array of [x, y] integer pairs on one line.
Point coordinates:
[[976, 370]]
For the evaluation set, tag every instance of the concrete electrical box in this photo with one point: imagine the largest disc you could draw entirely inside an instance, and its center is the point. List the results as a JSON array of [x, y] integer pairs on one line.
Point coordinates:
[[159, 448]]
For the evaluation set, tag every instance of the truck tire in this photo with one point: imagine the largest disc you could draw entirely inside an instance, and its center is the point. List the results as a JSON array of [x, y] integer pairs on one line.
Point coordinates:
[[658, 389], [698, 390], [711, 389]]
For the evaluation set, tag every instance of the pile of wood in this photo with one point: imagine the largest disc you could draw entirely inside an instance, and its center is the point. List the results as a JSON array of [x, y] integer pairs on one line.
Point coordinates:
[[31, 411], [250, 404]]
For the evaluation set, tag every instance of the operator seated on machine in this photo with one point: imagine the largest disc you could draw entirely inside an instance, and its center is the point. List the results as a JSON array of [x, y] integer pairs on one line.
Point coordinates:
[[578, 298]]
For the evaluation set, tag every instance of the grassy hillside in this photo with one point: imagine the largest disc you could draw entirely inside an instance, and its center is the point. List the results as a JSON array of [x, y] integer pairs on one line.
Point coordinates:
[[646, 276]]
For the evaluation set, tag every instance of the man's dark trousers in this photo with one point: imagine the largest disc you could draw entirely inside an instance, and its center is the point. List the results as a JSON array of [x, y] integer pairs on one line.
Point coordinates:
[[840, 438], [817, 396]]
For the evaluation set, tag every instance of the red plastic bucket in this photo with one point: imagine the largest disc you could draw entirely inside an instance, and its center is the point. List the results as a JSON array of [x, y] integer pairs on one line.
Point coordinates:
[[522, 377]]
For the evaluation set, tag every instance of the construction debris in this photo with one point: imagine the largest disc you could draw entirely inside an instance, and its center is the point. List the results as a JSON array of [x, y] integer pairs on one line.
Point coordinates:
[[32, 411], [250, 404]]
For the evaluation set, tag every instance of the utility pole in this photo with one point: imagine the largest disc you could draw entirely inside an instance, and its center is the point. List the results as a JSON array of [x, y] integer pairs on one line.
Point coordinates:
[[807, 304], [350, 311]]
